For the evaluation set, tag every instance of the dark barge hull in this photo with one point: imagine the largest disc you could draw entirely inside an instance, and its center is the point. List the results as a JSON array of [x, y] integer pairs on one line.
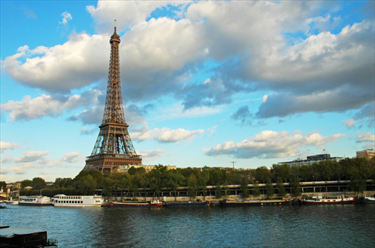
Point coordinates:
[[133, 204], [186, 204], [328, 203], [255, 204], [35, 204]]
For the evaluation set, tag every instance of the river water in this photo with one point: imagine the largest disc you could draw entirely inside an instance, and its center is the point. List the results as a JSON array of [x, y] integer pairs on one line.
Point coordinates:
[[291, 226]]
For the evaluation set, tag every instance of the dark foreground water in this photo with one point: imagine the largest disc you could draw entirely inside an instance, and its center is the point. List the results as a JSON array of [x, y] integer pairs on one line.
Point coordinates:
[[294, 226]]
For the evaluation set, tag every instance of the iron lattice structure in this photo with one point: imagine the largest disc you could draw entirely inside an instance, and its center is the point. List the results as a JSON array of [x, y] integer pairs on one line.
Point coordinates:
[[113, 146]]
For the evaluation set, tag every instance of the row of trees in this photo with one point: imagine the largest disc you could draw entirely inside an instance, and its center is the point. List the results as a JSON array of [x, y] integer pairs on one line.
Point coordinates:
[[358, 170]]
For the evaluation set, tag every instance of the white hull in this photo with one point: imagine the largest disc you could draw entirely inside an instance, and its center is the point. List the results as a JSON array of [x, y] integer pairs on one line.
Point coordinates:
[[77, 201], [34, 201], [339, 200]]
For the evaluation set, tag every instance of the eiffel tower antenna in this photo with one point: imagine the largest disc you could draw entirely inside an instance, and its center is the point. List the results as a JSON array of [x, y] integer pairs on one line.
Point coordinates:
[[113, 147]]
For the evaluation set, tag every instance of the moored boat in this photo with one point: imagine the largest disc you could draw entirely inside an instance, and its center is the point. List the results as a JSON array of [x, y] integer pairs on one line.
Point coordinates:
[[154, 203], [62, 200], [11, 201], [330, 200], [369, 199], [187, 204], [35, 201], [255, 203]]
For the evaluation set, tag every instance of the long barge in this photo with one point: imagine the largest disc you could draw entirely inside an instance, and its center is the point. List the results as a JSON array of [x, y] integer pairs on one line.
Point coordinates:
[[337, 200], [255, 203], [186, 204], [155, 203]]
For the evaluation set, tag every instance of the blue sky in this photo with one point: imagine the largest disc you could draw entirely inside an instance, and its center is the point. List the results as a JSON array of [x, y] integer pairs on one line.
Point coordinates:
[[204, 82]]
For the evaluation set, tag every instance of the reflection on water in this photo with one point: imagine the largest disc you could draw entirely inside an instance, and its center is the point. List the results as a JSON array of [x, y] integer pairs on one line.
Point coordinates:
[[296, 226]]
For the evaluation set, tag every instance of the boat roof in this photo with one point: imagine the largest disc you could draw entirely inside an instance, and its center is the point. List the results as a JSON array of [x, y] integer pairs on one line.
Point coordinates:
[[73, 195], [12, 231]]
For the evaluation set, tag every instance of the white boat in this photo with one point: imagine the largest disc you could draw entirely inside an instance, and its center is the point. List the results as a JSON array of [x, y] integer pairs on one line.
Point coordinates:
[[36, 200], [62, 200], [337, 200], [370, 199], [11, 201]]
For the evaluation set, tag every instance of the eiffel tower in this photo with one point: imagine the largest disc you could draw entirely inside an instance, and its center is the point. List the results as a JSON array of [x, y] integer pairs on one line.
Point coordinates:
[[113, 147]]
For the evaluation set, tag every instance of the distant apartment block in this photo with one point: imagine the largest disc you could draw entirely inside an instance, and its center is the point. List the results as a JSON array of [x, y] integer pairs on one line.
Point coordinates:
[[312, 160], [368, 154]]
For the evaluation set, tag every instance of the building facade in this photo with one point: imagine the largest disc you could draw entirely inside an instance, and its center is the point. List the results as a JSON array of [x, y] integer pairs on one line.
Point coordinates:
[[368, 154], [310, 160]]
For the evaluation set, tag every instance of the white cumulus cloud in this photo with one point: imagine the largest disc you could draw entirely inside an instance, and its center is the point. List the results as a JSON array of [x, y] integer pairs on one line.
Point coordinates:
[[47, 105], [148, 155], [8, 146], [271, 144], [31, 156], [66, 17], [349, 122], [368, 138], [165, 135], [72, 157]]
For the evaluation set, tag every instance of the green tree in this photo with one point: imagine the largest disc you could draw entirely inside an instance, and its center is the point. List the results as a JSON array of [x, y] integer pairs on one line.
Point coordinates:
[[218, 191], [294, 171], [26, 183], [215, 176], [38, 183], [203, 178], [226, 189], [134, 186], [109, 185], [281, 187], [357, 183], [295, 186], [305, 172], [123, 184], [87, 185], [158, 178], [262, 173], [63, 182], [245, 188], [133, 171], [142, 180], [3, 185], [96, 175], [281, 171], [338, 171], [192, 184], [327, 169], [175, 180], [256, 191], [269, 188]]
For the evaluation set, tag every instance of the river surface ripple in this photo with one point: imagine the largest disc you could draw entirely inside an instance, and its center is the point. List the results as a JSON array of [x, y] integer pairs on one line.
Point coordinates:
[[291, 226]]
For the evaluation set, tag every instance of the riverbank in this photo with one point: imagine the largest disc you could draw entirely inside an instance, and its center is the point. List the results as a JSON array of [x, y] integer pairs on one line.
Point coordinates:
[[239, 197]]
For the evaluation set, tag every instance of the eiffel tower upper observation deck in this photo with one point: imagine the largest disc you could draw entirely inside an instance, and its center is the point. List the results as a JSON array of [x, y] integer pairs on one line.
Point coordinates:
[[113, 146]]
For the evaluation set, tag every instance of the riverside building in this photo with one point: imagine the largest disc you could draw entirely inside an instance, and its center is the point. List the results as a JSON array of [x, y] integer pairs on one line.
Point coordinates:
[[368, 154], [312, 160]]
